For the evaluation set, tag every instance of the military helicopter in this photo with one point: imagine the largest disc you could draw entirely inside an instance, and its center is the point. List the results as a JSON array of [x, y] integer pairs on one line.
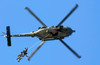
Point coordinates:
[[45, 33]]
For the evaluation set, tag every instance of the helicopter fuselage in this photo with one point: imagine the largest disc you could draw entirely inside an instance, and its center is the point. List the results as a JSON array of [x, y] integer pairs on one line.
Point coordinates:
[[52, 33]]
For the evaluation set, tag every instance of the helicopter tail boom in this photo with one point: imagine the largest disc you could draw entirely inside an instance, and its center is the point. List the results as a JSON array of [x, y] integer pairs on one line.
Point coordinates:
[[8, 35], [24, 35]]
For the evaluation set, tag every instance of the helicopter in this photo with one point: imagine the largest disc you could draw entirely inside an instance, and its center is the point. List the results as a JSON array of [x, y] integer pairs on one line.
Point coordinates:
[[45, 33]]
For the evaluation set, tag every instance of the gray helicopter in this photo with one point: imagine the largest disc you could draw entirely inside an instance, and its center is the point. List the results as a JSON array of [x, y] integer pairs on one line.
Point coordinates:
[[45, 33]]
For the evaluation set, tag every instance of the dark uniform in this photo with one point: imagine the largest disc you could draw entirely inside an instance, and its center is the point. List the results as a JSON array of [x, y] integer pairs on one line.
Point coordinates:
[[25, 52]]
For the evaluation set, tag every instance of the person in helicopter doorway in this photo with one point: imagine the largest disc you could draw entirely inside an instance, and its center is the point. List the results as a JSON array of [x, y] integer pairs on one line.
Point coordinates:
[[25, 52]]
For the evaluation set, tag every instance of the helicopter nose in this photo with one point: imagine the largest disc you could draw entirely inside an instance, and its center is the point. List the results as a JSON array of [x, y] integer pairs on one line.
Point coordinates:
[[73, 30]]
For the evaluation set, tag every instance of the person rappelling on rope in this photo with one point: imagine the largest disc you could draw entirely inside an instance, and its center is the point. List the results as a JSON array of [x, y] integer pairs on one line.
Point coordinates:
[[25, 52], [20, 56]]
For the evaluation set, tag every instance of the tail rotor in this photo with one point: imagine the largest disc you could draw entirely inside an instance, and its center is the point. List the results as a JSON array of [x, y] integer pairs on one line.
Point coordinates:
[[8, 35]]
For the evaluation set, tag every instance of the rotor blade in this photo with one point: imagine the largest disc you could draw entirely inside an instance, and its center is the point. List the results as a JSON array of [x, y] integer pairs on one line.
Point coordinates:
[[35, 16], [68, 15], [4, 33], [36, 50], [70, 48], [1, 35]]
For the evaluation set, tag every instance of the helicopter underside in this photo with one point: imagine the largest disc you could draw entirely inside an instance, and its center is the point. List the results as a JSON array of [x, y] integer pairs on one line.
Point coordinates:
[[47, 39], [50, 37], [50, 34]]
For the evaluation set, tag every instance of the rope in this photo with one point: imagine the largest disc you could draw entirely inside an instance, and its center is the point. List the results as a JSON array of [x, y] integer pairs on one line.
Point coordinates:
[[33, 45]]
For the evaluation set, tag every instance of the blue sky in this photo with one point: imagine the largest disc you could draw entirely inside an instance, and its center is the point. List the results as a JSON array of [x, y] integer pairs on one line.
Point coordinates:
[[85, 41]]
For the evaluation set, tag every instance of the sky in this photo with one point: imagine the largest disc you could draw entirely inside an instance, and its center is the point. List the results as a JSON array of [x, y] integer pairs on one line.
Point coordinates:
[[85, 41]]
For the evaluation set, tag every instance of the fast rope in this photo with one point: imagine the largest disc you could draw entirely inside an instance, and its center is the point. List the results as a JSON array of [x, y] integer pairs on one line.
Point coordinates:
[[33, 45]]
